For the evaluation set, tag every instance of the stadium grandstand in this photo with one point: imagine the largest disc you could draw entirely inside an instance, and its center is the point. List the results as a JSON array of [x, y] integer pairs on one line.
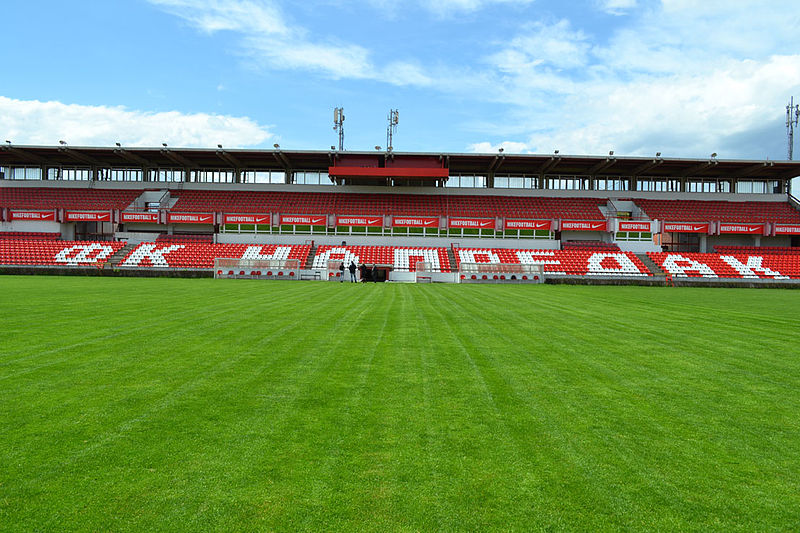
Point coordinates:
[[576, 216]]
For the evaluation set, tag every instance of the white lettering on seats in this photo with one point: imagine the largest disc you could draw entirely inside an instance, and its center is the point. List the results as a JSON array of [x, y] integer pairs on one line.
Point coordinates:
[[153, 253], [594, 265], [254, 252], [402, 255], [86, 254], [478, 256], [335, 254], [536, 257], [673, 266], [753, 266]]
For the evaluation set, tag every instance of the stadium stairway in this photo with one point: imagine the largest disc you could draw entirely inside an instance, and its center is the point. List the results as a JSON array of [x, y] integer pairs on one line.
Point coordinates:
[[114, 260], [651, 265], [310, 259], [451, 256]]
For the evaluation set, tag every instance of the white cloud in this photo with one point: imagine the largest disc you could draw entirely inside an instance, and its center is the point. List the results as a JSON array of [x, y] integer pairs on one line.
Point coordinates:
[[556, 44], [447, 7], [510, 147], [681, 79], [678, 76], [35, 122], [616, 7]]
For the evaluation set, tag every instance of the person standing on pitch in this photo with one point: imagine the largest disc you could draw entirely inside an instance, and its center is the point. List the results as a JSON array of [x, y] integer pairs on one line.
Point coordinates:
[[352, 270], [375, 273], [341, 272]]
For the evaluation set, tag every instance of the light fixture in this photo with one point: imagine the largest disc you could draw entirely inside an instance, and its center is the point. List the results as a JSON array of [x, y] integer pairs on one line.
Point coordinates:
[[658, 154], [333, 147], [714, 154], [611, 152], [556, 152], [62, 143], [501, 149], [276, 146], [377, 147], [164, 145], [219, 146], [118, 145], [7, 141]]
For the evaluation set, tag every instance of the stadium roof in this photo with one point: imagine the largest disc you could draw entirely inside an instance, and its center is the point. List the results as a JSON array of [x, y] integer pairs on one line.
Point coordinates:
[[319, 160]]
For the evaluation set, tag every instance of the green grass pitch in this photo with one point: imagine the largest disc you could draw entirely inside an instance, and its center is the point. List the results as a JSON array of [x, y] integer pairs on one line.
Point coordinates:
[[163, 404]]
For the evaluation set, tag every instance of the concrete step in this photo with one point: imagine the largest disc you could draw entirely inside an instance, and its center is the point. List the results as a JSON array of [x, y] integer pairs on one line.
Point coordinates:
[[452, 257], [311, 254], [114, 260], [651, 265]]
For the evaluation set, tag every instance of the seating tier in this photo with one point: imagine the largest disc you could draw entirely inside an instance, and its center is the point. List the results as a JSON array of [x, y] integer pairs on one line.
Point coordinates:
[[29, 236], [735, 265], [202, 255], [56, 253], [566, 262], [388, 204], [400, 258], [758, 250], [704, 210], [58, 198]]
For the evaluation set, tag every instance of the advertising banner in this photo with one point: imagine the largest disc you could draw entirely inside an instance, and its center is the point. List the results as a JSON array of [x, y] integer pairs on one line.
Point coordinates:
[[85, 216], [305, 220], [787, 229], [415, 222], [247, 219], [190, 218], [686, 227], [641, 226], [475, 223], [529, 224], [32, 215], [355, 220], [151, 218], [583, 225], [746, 229]]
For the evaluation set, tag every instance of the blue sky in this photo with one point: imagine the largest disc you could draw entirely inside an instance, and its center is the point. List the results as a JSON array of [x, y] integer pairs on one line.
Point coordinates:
[[681, 77]]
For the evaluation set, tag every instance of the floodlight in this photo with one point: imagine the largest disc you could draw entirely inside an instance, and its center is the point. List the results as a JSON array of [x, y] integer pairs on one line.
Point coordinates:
[[611, 152], [377, 147], [714, 154], [276, 146], [62, 143], [219, 146], [164, 145], [658, 154], [556, 152], [500, 149], [118, 145]]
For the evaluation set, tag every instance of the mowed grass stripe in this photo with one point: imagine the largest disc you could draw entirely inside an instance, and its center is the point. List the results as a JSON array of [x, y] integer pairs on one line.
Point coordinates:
[[311, 406]]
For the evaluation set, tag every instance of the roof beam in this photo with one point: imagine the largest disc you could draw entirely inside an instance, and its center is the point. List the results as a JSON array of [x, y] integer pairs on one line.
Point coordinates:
[[283, 160], [646, 167], [602, 165], [25, 155], [549, 165], [80, 157], [752, 169], [228, 158], [699, 169], [133, 158], [496, 163], [178, 158]]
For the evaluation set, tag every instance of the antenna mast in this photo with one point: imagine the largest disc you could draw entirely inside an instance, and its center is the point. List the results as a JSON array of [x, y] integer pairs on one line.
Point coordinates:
[[391, 129], [338, 125], [792, 116]]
